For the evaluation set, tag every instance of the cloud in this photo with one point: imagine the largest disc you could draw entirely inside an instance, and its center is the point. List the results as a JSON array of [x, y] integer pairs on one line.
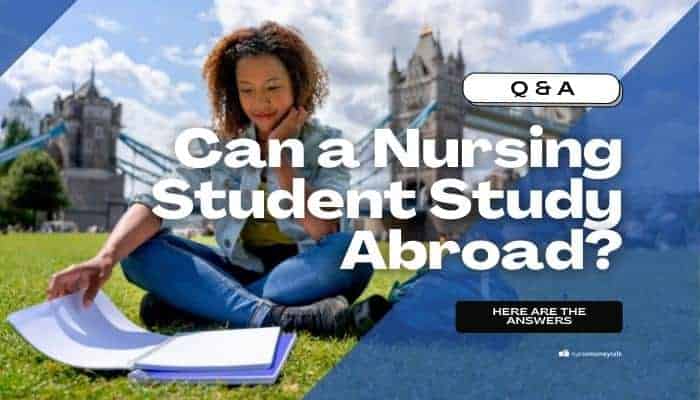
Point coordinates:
[[642, 23], [545, 14], [184, 87], [635, 27], [591, 39], [48, 41], [42, 99], [153, 128], [105, 24], [639, 29], [68, 65], [200, 50], [176, 55]]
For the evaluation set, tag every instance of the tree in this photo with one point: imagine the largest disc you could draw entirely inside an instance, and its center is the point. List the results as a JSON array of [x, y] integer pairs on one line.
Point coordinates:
[[8, 215], [16, 134], [34, 183]]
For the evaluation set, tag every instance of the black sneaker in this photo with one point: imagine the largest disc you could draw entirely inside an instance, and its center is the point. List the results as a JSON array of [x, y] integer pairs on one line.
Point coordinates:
[[155, 312], [368, 312], [326, 317]]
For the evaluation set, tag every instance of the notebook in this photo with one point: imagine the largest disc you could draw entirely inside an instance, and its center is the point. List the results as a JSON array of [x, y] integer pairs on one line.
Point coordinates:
[[213, 350], [102, 338], [232, 377]]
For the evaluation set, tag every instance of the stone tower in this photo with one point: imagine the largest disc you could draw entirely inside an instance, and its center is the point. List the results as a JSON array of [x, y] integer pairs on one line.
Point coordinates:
[[92, 122], [428, 76], [86, 153]]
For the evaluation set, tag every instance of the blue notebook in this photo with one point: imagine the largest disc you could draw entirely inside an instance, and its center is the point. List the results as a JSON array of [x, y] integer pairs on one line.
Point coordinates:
[[232, 377]]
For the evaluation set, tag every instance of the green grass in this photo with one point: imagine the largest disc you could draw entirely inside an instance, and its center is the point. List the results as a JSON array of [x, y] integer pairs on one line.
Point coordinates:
[[26, 263]]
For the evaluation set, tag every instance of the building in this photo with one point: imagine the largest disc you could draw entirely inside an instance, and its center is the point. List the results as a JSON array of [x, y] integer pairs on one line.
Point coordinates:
[[431, 75], [428, 76], [86, 155], [21, 110]]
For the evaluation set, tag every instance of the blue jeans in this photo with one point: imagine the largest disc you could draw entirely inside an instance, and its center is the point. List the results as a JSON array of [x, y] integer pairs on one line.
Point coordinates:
[[198, 279]]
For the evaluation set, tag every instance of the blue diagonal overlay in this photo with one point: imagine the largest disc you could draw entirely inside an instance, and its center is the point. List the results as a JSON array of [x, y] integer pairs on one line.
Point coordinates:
[[21, 24], [415, 351]]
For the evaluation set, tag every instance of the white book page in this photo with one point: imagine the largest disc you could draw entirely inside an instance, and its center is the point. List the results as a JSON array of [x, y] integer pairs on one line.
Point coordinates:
[[214, 350], [99, 337]]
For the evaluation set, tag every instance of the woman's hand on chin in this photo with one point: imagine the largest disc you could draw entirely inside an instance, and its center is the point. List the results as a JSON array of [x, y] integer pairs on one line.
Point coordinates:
[[318, 228], [290, 125]]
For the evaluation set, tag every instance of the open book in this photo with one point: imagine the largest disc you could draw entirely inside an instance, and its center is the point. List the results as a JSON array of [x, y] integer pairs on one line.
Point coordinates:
[[101, 337]]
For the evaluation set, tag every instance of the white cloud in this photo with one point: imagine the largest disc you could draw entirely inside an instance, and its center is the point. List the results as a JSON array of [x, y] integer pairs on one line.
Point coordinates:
[[67, 65], [184, 87], [636, 26], [42, 99], [103, 88], [564, 55], [644, 23], [105, 24], [545, 14], [200, 50], [154, 129], [591, 39], [48, 41], [176, 55]]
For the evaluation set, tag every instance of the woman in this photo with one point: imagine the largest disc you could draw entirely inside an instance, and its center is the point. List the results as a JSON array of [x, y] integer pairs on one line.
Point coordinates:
[[263, 83]]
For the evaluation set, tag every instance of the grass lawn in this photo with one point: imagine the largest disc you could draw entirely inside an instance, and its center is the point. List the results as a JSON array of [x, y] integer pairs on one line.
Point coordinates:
[[26, 263]]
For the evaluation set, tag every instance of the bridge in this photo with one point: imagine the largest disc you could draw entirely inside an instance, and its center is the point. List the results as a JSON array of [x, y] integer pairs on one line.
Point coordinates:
[[153, 164], [162, 162]]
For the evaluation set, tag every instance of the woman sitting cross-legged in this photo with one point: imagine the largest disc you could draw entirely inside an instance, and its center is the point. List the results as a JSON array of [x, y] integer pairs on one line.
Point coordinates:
[[263, 84]]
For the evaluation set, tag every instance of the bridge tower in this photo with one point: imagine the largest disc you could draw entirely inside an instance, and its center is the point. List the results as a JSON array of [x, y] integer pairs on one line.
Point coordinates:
[[428, 76], [86, 154]]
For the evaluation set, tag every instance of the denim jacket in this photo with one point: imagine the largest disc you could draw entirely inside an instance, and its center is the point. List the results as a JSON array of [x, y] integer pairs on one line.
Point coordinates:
[[228, 229]]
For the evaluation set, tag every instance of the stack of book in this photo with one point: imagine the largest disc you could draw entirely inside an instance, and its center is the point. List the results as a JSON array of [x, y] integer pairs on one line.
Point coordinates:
[[102, 338]]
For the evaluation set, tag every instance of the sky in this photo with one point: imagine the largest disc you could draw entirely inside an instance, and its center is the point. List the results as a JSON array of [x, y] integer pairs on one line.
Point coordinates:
[[148, 55]]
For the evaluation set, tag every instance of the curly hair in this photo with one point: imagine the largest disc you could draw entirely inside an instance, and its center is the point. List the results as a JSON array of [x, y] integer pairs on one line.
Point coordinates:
[[309, 78]]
